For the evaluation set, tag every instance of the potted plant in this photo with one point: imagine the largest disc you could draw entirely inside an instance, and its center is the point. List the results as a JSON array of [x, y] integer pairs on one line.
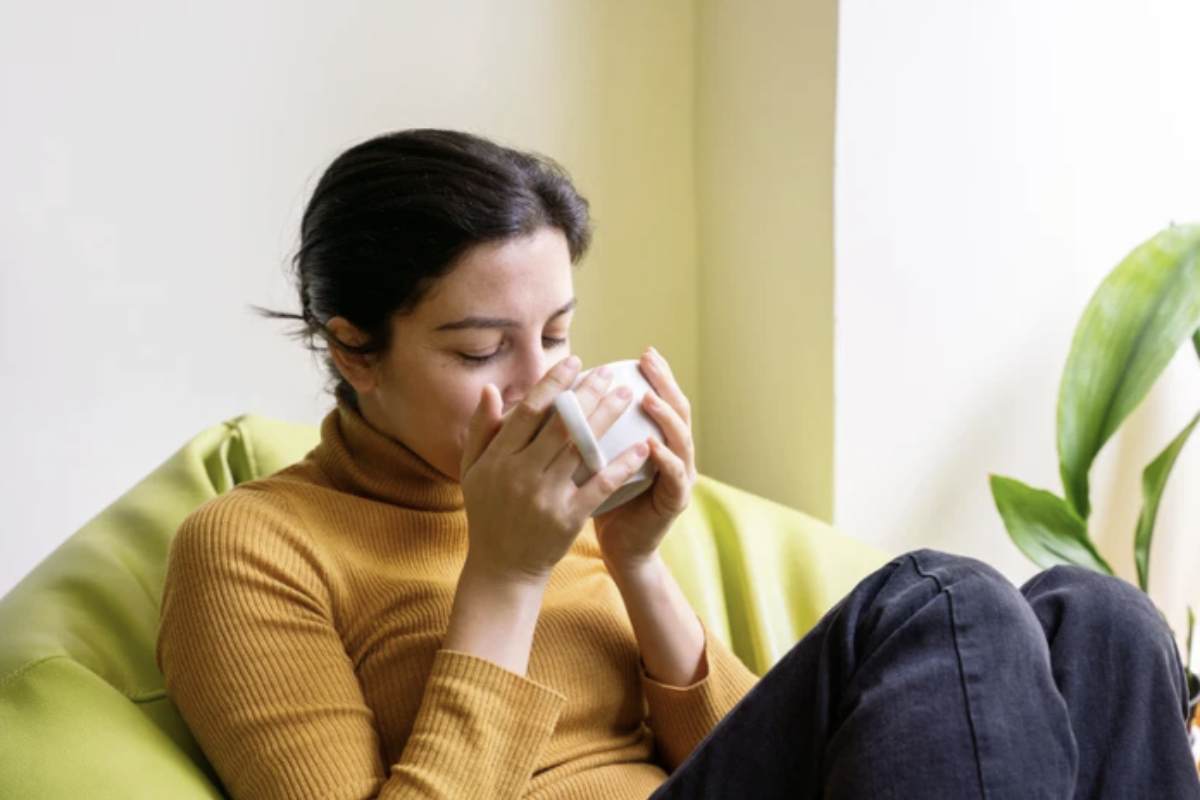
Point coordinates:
[[1141, 314]]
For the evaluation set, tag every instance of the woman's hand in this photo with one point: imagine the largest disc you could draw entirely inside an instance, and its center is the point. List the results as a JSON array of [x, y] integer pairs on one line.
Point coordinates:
[[629, 534], [523, 508]]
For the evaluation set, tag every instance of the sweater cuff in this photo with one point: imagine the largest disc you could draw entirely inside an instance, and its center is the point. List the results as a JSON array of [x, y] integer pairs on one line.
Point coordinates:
[[681, 716], [480, 730]]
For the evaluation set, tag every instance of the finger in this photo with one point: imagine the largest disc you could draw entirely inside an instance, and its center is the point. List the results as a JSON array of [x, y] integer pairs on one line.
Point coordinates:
[[482, 427], [528, 415], [674, 487], [554, 438], [592, 387], [601, 420], [600, 486], [676, 431], [658, 372]]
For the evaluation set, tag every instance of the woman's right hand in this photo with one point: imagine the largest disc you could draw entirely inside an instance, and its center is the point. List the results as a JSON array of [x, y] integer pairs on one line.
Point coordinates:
[[523, 508]]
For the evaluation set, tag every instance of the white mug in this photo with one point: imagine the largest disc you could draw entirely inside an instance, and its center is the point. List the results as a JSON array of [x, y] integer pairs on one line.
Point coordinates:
[[633, 426]]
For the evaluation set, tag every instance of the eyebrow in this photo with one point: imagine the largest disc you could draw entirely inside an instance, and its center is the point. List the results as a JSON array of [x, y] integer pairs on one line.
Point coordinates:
[[493, 322]]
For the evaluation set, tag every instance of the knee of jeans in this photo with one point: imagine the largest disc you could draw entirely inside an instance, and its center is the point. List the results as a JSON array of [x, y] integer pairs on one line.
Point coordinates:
[[1105, 606], [985, 590], [949, 568]]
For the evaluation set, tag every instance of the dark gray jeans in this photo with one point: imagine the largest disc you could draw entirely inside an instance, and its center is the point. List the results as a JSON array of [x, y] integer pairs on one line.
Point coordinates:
[[937, 678]]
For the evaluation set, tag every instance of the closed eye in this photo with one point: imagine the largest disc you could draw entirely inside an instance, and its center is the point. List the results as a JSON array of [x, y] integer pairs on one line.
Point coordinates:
[[549, 341]]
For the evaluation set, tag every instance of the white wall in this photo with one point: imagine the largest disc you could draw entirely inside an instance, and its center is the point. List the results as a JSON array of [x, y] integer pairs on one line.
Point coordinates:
[[994, 161], [157, 158]]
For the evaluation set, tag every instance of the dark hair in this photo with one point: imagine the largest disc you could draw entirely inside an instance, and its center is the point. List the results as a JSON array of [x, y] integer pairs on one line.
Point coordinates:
[[392, 215]]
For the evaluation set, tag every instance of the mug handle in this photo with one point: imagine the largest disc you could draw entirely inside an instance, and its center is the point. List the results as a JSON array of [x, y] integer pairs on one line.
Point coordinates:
[[567, 405]]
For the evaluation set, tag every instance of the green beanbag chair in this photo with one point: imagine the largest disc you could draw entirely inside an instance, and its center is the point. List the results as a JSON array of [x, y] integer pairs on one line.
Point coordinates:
[[83, 712]]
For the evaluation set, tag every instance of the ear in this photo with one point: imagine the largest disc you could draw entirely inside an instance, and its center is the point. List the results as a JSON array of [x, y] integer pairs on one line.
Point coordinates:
[[358, 370]]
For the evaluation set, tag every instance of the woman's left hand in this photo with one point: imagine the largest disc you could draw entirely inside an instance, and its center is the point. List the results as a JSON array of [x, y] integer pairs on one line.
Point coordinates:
[[629, 534]]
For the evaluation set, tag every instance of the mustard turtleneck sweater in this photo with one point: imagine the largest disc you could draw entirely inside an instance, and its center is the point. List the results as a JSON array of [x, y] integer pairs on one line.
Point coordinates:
[[302, 621]]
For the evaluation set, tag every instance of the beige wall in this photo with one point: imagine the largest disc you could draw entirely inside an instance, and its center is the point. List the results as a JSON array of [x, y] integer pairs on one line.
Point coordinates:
[[167, 157], [631, 152], [765, 76], [159, 159]]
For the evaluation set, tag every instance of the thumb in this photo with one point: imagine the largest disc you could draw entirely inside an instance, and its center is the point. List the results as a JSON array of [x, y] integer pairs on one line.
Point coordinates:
[[482, 427]]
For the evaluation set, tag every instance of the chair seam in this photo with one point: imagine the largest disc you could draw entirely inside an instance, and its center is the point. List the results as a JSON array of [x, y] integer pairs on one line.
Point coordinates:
[[236, 426], [251, 455], [135, 696], [21, 670]]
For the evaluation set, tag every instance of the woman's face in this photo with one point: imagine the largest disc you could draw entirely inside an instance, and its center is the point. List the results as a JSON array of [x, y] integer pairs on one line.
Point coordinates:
[[508, 304]]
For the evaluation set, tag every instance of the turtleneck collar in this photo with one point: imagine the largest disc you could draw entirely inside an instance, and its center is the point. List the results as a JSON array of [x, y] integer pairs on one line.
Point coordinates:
[[364, 461]]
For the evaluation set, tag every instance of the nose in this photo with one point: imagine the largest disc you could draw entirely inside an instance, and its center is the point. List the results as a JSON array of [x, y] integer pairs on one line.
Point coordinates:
[[529, 367]]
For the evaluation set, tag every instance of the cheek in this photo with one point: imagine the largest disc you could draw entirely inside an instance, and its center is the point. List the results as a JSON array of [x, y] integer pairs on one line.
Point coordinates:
[[446, 400]]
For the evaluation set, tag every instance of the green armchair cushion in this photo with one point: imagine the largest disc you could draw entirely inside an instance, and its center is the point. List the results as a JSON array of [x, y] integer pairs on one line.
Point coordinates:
[[82, 705]]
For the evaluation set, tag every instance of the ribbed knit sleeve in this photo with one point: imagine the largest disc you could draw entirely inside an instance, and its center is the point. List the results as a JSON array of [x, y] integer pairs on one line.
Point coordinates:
[[478, 734], [255, 665], [681, 716]]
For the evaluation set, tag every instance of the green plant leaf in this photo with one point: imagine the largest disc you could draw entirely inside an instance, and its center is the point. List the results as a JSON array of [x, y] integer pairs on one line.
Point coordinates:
[[1196, 341], [1191, 623], [1193, 680], [1044, 526], [1154, 480], [1131, 328]]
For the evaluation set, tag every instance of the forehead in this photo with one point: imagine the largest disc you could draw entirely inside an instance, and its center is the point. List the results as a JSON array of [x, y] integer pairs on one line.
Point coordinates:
[[514, 277]]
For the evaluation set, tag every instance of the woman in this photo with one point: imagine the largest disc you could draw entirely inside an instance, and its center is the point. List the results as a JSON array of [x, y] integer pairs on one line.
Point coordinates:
[[423, 607]]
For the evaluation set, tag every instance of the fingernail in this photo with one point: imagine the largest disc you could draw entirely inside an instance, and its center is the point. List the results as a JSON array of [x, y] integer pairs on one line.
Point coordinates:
[[640, 449], [573, 362], [624, 392]]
